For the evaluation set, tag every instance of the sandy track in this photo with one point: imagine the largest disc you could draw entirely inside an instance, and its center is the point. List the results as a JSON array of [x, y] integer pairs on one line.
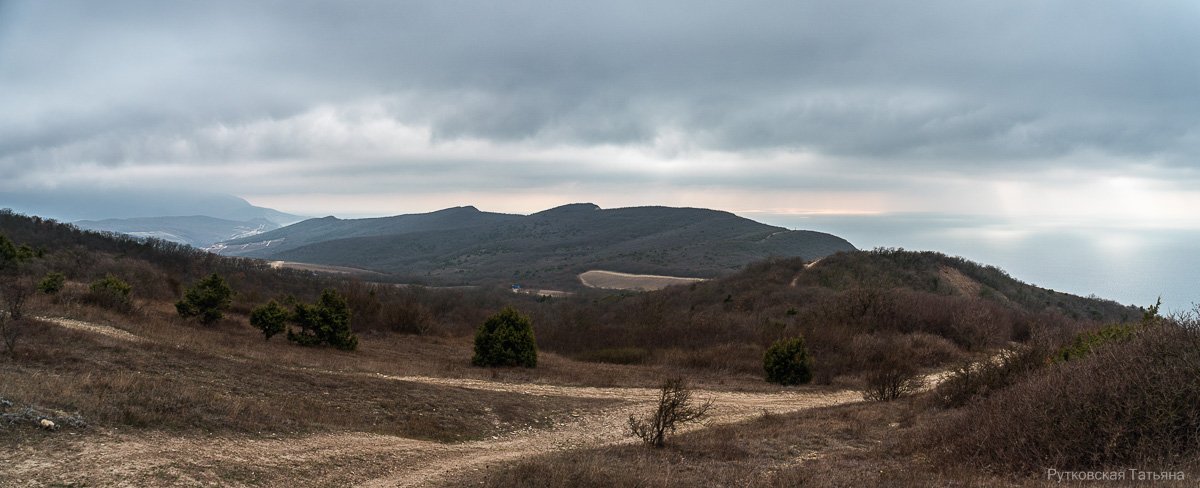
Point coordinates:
[[595, 429], [626, 281], [147, 458], [94, 328]]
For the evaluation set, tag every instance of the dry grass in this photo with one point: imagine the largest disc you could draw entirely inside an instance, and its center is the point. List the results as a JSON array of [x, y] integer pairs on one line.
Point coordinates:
[[839, 446], [870, 444], [185, 378], [1127, 405]]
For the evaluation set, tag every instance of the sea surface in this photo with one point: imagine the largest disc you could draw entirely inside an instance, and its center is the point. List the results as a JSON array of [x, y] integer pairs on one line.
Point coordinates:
[[1133, 266]]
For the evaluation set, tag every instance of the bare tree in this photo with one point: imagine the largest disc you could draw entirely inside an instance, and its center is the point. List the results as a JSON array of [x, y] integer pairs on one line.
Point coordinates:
[[675, 406], [15, 291], [10, 332]]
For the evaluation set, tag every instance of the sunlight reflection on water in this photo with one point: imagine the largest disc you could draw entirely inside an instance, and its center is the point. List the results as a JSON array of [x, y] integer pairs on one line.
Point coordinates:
[[1131, 266]]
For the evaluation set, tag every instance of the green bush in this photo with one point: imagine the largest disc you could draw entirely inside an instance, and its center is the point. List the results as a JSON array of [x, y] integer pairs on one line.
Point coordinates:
[[270, 318], [787, 363], [506, 339], [325, 323], [207, 299], [12, 255], [111, 292], [1087, 342], [52, 283]]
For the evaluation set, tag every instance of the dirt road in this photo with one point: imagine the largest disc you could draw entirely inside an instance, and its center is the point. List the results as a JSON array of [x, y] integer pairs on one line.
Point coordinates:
[[139, 458]]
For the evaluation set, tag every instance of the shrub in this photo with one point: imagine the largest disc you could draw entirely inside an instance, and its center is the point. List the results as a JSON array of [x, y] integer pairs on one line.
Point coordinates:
[[270, 318], [786, 362], [111, 292], [12, 256], [15, 291], [11, 331], [889, 369], [505, 339], [1087, 342], [52, 283], [675, 406], [325, 323], [973, 381], [1135, 403], [207, 299]]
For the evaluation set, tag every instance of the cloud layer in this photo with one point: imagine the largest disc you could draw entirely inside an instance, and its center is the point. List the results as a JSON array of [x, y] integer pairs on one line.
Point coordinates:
[[1067, 109]]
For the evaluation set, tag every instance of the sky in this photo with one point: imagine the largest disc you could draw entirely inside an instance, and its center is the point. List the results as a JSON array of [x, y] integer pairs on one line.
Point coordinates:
[[1057, 139], [1044, 112]]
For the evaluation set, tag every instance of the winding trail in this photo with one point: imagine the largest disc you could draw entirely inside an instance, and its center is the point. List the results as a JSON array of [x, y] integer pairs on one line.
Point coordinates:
[[371, 460]]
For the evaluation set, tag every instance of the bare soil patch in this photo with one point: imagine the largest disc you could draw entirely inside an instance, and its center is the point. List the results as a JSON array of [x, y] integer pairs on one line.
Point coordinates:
[[625, 281]]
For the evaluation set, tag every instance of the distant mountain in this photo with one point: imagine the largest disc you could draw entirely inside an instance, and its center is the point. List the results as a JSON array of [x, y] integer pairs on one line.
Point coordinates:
[[315, 231], [81, 204], [196, 230], [463, 245]]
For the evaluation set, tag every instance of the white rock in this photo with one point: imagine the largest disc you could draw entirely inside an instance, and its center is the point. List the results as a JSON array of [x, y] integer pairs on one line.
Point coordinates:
[[46, 424]]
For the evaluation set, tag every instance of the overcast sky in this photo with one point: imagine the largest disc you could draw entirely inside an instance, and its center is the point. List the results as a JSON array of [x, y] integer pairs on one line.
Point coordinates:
[[1041, 111]]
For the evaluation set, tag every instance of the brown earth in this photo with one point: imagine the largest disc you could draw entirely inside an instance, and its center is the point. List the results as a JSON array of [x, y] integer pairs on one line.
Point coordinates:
[[129, 457]]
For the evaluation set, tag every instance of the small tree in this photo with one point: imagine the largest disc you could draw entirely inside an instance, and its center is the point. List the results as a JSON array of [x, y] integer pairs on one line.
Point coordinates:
[[506, 339], [16, 290], [207, 299], [52, 283], [786, 362], [325, 323], [11, 256], [271, 319], [111, 292], [675, 407], [10, 332]]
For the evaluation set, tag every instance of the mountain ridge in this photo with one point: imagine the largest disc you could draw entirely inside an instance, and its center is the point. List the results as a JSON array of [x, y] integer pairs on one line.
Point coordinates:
[[463, 245]]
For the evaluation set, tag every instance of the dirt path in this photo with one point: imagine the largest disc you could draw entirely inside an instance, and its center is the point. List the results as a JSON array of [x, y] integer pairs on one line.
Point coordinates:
[[371, 460], [94, 328], [796, 279], [352, 458], [595, 429]]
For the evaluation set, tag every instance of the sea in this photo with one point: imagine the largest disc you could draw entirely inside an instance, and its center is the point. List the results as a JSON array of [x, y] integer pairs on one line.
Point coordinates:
[[1131, 265]]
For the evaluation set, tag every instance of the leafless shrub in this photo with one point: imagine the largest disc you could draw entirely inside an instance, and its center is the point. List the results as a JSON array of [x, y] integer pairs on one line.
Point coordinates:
[[11, 332], [675, 406], [16, 291], [1135, 403], [889, 369], [973, 380]]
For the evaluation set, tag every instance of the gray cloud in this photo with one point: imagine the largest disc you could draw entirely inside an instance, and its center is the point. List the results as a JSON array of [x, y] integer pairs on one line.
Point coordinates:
[[306, 91]]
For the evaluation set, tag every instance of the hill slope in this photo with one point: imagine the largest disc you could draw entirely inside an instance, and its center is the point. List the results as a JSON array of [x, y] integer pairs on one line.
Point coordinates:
[[549, 248]]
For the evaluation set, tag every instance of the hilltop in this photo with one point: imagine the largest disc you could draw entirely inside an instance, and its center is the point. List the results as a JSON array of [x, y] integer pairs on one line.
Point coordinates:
[[464, 245]]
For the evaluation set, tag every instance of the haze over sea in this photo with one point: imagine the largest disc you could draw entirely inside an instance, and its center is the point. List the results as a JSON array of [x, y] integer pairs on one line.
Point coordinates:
[[1130, 266]]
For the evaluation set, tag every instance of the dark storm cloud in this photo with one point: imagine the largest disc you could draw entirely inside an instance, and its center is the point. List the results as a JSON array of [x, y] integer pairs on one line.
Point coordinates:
[[957, 85]]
